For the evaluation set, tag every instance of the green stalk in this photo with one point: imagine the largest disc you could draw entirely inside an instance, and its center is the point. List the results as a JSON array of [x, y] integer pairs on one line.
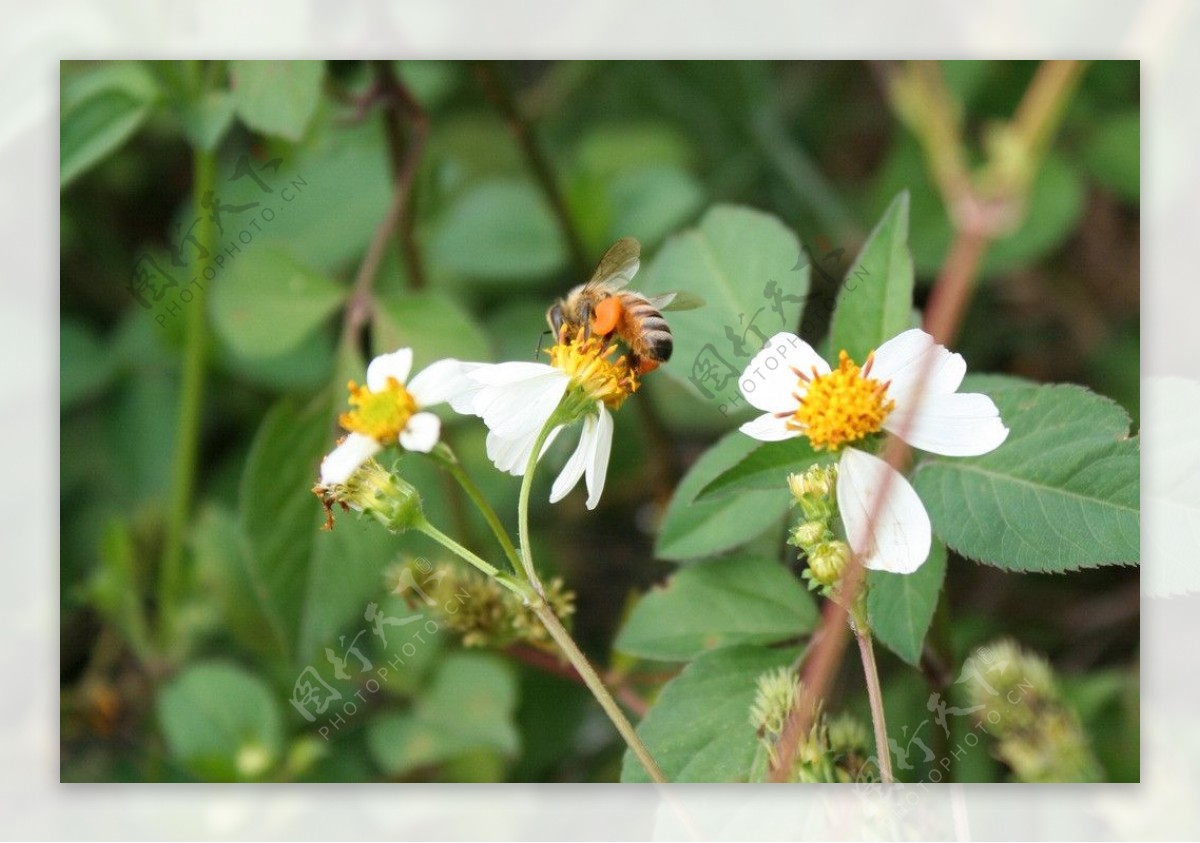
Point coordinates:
[[866, 650], [516, 587], [183, 474], [559, 633], [449, 461]]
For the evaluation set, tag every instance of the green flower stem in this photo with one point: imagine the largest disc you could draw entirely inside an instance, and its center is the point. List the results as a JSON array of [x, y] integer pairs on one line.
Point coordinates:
[[519, 588], [565, 643], [449, 461], [559, 633], [523, 505], [867, 650], [183, 475]]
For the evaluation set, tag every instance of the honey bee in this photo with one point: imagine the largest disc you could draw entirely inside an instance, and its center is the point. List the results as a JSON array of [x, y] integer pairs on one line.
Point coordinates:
[[602, 306]]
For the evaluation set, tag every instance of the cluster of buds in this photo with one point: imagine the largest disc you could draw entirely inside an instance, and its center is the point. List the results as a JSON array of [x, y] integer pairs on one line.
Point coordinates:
[[813, 493], [373, 490], [479, 609], [1017, 700], [836, 749]]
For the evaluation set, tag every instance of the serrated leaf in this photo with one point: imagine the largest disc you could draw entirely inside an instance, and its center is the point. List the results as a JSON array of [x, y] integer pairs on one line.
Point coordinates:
[[766, 467], [433, 325], [101, 109], [900, 606], [750, 270], [738, 600], [277, 97], [266, 304], [694, 529], [503, 231], [699, 729], [1060, 493], [221, 722], [875, 300], [312, 584], [469, 707]]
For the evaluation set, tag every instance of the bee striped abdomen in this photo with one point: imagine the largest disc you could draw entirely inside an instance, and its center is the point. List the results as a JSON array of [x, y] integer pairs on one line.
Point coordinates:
[[652, 330]]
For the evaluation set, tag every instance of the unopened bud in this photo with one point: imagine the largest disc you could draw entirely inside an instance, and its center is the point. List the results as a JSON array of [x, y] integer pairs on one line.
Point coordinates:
[[827, 561], [808, 533]]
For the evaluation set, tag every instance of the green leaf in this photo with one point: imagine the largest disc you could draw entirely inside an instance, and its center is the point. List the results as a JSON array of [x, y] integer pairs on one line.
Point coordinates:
[[266, 304], [744, 264], [223, 575], [694, 529], [207, 118], [766, 467], [432, 324], [221, 722], [875, 300], [1061, 493], [699, 729], [311, 584], [1113, 155], [738, 600], [900, 606], [469, 707], [277, 97], [651, 202], [101, 109], [87, 365], [502, 231]]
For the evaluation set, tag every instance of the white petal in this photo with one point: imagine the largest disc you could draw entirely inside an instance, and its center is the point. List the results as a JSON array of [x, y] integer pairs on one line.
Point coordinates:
[[768, 428], [521, 407], [903, 360], [963, 424], [512, 455], [597, 465], [900, 537], [442, 381], [573, 470], [503, 374], [769, 382], [395, 365], [345, 459], [421, 433]]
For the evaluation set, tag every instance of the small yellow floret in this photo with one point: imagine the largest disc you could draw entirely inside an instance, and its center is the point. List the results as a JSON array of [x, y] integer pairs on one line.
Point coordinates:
[[842, 406], [380, 415], [586, 361]]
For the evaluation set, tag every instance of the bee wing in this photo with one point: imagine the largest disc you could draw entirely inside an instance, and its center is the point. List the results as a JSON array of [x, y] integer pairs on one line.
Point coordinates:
[[676, 301], [619, 264]]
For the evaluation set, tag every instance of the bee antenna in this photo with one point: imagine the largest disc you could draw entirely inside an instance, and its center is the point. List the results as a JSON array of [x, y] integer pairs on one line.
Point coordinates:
[[538, 351]]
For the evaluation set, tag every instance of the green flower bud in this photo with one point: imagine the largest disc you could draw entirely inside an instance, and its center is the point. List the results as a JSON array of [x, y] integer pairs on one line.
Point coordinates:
[[808, 533], [827, 561]]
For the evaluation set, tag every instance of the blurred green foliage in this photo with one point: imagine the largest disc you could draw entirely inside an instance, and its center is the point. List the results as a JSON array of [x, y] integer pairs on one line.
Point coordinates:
[[710, 165]]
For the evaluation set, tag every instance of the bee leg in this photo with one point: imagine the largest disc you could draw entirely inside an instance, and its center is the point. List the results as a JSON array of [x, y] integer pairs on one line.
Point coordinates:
[[586, 313]]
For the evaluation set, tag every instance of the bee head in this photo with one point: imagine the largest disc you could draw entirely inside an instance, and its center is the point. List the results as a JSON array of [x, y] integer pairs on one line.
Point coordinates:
[[556, 317]]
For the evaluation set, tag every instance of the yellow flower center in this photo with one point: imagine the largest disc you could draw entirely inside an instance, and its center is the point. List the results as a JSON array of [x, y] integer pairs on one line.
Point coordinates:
[[380, 415], [842, 406], [587, 362]]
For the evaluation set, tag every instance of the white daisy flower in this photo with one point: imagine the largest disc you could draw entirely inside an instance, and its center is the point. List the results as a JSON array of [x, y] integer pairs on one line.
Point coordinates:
[[390, 409], [517, 400], [836, 408]]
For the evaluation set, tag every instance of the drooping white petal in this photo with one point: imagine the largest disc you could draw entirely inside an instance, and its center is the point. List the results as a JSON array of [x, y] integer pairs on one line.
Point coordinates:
[[421, 433], [598, 453], [512, 455], [573, 470], [768, 428], [344, 460], [503, 374], [899, 538], [903, 360], [442, 380], [964, 424], [769, 382], [395, 365]]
